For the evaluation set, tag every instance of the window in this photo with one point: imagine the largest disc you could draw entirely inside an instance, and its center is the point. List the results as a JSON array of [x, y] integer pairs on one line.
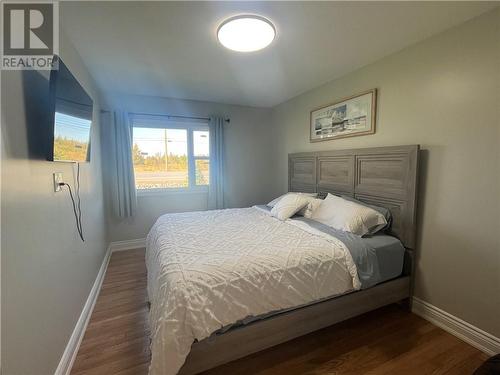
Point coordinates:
[[170, 154], [201, 156]]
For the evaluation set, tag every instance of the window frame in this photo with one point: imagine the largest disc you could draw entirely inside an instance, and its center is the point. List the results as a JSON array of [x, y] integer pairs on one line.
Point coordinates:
[[166, 122]]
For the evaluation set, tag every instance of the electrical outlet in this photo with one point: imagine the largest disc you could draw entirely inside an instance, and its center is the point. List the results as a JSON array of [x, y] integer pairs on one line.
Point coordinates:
[[58, 178]]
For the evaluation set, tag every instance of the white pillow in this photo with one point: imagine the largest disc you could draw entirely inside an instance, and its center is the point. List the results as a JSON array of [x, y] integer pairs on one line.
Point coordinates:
[[348, 216], [289, 205], [308, 210], [276, 200]]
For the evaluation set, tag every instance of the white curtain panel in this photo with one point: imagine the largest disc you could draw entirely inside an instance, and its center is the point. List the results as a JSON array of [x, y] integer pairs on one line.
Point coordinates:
[[120, 170], [216, 187]]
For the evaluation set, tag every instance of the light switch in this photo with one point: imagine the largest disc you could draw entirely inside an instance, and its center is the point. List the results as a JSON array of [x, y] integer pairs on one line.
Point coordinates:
[[58, 178]]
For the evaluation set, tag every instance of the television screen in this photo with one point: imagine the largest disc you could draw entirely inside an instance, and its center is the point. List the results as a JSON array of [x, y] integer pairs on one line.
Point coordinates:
[[72, 117]]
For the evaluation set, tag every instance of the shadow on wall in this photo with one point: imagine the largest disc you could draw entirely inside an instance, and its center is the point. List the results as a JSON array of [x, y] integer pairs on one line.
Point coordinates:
[[30, 140], [422, 183], [444, 235]]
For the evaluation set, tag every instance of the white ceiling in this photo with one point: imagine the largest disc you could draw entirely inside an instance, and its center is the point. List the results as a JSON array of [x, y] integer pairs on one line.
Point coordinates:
[[170, 49]]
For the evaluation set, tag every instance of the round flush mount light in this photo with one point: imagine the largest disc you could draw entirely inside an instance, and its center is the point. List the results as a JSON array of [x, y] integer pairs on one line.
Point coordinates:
[[246, 33]]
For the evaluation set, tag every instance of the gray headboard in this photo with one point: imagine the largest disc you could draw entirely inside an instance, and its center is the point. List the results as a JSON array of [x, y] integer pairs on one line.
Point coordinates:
[[384, 176]]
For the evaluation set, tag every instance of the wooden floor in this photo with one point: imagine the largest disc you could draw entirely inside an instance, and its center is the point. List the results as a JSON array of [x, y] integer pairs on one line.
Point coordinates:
[[386, 341]]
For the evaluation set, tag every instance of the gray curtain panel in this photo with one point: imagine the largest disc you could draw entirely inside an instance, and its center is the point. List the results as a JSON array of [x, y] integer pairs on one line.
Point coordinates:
[[120, 170], [216, 187]]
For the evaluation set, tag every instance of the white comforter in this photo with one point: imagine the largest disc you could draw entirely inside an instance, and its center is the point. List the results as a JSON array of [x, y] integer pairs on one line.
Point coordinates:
[[210, 269]]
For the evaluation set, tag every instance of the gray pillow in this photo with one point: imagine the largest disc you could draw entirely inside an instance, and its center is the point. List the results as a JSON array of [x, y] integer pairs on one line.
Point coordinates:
[[384, 211]]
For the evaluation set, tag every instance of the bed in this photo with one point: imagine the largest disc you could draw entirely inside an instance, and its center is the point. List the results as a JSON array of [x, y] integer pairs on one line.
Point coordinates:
[[227, 283]]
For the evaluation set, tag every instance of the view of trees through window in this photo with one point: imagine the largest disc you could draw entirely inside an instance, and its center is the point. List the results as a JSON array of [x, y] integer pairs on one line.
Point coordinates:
[[161, 157]]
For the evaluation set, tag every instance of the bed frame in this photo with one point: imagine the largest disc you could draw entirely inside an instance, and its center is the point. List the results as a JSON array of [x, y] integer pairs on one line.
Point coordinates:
[[384, 176]]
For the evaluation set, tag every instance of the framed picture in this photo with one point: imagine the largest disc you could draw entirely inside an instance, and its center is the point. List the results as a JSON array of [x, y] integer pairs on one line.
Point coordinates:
[[349, 117]]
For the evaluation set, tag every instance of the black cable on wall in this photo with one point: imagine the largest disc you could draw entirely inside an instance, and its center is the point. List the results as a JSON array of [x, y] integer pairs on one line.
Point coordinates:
[[77, 210]]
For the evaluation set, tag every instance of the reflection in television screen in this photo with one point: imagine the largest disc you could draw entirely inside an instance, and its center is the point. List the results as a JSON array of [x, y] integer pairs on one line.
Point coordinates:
[[71, 137], [72, 111]]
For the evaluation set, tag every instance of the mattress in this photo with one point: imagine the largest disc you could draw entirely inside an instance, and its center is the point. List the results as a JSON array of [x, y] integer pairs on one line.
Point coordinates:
[[378, 258], [389, 252], [208, 270]]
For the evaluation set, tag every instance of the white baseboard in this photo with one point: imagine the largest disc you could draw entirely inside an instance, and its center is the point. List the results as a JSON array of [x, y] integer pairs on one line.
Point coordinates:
[[472, 335], [69, 355], [127, 245]]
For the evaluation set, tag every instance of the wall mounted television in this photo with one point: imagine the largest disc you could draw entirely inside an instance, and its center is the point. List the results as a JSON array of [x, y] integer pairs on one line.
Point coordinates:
[[71, 116]]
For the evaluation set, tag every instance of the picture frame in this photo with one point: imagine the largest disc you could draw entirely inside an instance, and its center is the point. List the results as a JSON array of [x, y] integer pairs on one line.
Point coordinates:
[[349, 117]]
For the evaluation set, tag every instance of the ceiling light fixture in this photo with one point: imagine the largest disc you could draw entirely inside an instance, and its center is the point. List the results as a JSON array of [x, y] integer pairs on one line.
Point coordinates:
[[246, 33]]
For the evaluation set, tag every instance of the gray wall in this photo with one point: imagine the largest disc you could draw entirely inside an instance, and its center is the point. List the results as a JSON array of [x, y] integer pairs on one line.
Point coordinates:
[[249, 173], [443, 94], [47, 272]]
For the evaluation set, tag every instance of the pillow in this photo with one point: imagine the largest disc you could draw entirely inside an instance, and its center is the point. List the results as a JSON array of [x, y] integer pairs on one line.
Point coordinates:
[[384, 211], [288, 206], [276, 200], [349, 216], [310, 208]]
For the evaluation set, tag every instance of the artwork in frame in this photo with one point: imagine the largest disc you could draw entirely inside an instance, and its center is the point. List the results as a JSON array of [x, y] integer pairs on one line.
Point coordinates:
[[348, 117]]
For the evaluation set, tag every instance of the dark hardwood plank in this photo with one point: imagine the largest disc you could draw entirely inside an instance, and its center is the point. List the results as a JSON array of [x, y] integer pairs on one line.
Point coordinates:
[[117, 337], [389, 340]]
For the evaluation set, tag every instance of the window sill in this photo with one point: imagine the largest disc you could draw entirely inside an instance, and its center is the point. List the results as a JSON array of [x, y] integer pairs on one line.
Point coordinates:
[[172, 191]]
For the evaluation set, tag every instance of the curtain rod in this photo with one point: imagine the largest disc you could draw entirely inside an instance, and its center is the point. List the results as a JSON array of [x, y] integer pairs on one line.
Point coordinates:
[[172, 116]]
